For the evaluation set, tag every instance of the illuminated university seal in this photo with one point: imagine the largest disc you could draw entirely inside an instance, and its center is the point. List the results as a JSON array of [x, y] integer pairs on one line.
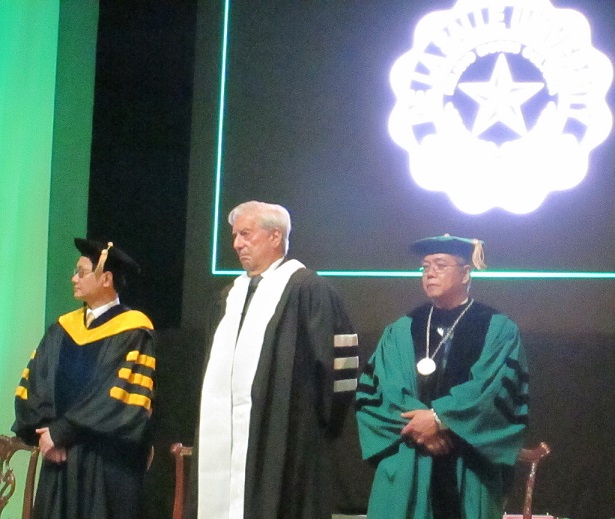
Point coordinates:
[[500, 102]]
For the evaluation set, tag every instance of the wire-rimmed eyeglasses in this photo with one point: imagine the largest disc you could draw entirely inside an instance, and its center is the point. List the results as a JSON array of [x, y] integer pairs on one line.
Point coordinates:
[[80, 273], [438, 267]]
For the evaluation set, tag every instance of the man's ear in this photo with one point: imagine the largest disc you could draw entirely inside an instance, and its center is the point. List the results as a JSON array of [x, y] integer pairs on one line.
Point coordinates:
[[107, 279], [276, 237], [467, 274]]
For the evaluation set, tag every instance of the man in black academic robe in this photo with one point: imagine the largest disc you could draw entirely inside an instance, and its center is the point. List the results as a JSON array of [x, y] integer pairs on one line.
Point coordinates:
[[303, 376], [85, 398]]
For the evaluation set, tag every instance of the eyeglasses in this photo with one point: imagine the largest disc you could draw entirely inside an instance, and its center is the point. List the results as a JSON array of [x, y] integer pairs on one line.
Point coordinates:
[[438, 267], [80, 273]]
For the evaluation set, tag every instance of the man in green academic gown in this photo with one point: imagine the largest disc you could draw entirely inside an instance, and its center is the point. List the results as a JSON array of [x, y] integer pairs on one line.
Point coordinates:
[[281, 365], [86, 397], [442, 404]]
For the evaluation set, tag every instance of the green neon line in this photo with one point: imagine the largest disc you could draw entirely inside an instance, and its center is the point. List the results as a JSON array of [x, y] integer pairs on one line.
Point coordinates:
[[544, 275], [218, 183], [350, 273], [496, 274]]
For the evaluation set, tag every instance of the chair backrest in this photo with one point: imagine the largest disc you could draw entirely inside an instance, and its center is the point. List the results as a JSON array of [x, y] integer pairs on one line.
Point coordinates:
[[179, 452], [8, 447], [530, 458]]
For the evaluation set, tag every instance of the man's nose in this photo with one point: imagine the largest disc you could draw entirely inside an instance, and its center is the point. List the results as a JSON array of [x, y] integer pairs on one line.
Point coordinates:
[[429, 272]]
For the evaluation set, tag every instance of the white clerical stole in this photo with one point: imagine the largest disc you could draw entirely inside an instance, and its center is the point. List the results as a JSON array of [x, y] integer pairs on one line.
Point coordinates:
[[226, 401]]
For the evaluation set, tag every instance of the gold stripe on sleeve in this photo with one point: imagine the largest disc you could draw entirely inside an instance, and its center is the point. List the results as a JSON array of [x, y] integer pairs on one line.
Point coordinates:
[[136, 378], [130, 398], [21, 392], [141, 358]]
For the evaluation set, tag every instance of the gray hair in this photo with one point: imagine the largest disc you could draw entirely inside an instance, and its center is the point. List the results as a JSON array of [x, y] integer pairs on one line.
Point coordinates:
[[269, 216]]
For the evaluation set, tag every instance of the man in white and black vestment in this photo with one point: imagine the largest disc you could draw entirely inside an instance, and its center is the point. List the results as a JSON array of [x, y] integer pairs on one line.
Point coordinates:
[[280, 369]]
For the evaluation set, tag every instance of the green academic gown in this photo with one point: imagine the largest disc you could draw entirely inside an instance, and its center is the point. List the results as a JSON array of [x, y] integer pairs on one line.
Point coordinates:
[[93, 388], [486, 410]]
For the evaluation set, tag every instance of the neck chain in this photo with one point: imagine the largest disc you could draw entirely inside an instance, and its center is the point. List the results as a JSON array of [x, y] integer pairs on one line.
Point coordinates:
[[426, 366]]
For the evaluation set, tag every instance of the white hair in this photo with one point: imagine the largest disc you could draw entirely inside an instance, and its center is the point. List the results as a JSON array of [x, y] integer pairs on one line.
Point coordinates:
[[269, 217]]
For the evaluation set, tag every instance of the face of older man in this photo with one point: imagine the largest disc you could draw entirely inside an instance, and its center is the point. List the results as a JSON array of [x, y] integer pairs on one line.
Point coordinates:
[[257, 248], [445, 280]]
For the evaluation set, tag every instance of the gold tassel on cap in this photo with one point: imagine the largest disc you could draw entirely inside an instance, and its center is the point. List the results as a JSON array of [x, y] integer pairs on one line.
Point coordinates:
[[478, 255], [103, 259]]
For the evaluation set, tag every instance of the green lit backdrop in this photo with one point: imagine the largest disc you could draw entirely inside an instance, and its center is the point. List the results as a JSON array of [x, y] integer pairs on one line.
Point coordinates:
[[44, 164], [27, 86]]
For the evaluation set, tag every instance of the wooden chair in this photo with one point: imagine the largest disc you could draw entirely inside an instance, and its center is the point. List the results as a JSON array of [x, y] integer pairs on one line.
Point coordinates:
[[179, 452], [8, 447], [530, 458]]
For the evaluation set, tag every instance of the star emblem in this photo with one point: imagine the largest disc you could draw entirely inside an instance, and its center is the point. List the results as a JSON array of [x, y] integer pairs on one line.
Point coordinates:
[[492, 121], [500, 99]]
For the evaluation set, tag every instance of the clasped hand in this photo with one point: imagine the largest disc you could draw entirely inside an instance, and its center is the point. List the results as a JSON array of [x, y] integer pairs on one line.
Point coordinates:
[[423, 430], [48, 448]]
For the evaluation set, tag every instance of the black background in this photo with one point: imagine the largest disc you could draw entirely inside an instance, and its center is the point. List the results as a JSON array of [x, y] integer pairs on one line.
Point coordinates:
[[308, 100]]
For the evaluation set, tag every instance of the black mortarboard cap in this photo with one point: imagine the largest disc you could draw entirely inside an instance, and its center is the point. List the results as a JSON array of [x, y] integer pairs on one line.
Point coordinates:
[[108, 257], [470, 250]]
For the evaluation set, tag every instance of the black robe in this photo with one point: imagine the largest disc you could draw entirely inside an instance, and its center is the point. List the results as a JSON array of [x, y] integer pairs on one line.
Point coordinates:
[[295, 410], [93, 388]]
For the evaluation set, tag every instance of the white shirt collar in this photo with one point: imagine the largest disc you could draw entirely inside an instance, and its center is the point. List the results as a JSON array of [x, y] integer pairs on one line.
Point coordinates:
[[102, 309]]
